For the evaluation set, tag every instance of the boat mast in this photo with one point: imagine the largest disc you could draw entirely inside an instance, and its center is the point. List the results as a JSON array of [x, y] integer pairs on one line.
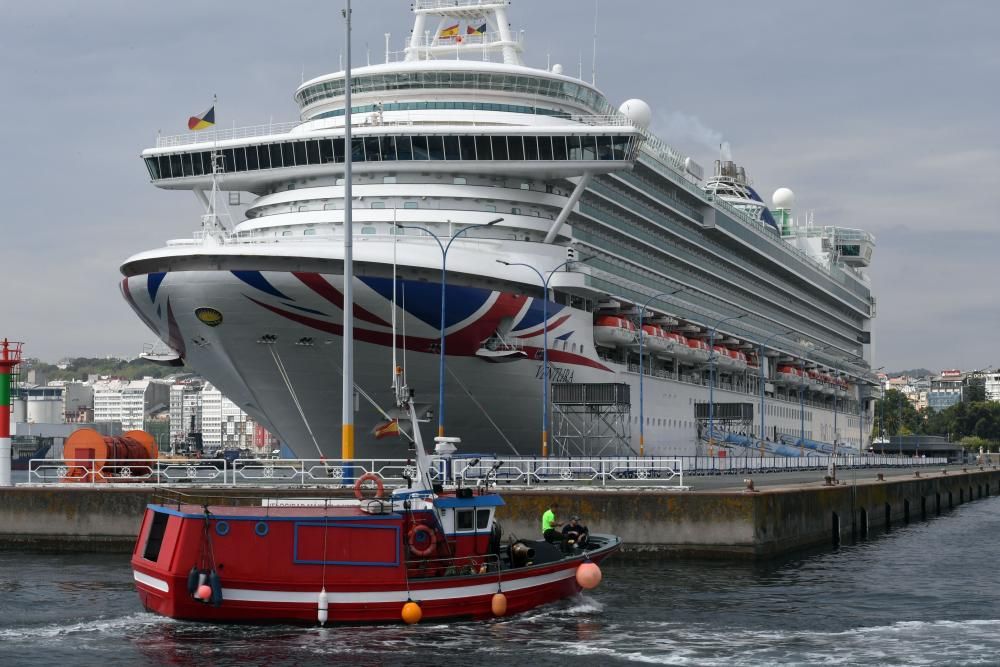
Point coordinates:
[[347, 430]]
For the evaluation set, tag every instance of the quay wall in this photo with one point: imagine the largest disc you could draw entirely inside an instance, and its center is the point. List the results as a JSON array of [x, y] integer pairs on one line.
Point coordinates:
[[742, 525]]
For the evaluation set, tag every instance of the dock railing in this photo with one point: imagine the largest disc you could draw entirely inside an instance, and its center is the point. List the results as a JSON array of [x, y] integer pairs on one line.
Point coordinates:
[[666, 473]]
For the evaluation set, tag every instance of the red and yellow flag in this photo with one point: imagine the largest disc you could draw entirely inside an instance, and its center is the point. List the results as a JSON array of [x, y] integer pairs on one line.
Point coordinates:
[[202, 121], [386, 430], [449, 33]]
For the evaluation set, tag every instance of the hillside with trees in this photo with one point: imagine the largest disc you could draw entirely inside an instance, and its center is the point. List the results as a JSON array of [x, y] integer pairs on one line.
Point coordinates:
[[975, 423], [82, 367]]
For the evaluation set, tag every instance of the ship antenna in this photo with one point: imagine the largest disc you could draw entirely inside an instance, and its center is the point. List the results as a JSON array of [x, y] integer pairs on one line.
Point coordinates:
[[593, 66], [347, 418], [387, 47]]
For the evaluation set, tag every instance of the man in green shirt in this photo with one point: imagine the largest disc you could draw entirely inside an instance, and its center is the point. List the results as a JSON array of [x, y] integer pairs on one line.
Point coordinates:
[[549, 524]]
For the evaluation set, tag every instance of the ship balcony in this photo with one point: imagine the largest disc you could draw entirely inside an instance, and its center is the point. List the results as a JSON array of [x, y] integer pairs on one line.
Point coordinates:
[[853, 247]]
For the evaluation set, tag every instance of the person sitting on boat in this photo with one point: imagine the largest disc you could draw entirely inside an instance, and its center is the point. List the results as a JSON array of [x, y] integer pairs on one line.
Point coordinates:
[[575, 532], [549, 524]]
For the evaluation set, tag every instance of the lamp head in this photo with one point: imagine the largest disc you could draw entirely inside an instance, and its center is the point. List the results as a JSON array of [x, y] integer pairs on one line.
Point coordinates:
[[500, 261]]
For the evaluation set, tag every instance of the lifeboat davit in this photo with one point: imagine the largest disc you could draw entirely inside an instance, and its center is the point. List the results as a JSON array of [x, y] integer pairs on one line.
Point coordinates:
[[828, 384], [613, 331], [739, 360], [722, 359]]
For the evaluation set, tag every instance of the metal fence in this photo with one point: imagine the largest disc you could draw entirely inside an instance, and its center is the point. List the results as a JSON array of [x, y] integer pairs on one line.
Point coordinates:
[[523, 472]]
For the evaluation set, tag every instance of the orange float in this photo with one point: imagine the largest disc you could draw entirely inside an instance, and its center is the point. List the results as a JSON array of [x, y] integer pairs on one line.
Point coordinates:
[[92, 457]]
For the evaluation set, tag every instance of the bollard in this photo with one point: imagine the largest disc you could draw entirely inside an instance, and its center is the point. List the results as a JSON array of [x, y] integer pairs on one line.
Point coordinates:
[[750, 488], [880, 477], [828, 480], [944, 471], [916, 474]]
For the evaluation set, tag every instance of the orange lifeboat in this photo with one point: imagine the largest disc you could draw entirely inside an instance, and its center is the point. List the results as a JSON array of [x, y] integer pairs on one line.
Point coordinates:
[[613, 331], [696, 351], [654, 340]]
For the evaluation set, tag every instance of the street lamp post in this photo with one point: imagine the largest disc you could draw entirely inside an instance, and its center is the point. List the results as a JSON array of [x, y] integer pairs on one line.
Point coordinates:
[[642, 336], [545, 341], [711, 376], [444, 263], [760, 364]]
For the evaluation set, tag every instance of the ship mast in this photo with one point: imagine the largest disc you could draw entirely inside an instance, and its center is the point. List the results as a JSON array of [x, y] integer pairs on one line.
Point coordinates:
[[463, 26], [347, 429]]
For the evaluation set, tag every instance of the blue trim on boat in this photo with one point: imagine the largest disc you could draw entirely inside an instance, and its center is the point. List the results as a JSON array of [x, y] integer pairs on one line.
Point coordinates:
[[265, 517], [474, 501]]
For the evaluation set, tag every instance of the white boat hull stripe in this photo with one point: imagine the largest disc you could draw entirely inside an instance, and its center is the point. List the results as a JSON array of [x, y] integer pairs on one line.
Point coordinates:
[[152, 582]]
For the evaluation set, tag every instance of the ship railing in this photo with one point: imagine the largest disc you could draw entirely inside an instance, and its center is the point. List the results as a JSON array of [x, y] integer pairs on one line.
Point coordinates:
[[325, 472], [225, 134], [78, 471], [598, 471], [461, 566]]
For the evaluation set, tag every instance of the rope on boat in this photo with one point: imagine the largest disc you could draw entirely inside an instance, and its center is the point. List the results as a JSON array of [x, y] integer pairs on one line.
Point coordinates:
[[295, 398]]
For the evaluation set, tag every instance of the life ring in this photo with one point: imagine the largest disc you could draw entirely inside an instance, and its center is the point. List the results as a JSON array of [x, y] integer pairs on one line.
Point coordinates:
[[368, 477], [412, 540]]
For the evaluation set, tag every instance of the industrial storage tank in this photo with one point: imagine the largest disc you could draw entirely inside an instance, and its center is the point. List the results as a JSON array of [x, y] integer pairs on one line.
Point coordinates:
[[44, 410]]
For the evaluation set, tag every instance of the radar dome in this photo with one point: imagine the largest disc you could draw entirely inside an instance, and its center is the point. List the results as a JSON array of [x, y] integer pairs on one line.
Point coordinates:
[[783, 198], [637, 111], [557, 69]]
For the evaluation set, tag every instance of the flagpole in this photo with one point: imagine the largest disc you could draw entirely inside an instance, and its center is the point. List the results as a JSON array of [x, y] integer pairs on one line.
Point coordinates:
[[347, 430]]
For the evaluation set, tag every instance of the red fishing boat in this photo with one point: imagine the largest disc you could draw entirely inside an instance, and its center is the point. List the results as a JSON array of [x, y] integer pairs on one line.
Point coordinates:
[[421, 552]]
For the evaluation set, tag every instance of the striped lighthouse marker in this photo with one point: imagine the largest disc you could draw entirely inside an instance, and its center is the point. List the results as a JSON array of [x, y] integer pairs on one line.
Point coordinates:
[[10, 356]]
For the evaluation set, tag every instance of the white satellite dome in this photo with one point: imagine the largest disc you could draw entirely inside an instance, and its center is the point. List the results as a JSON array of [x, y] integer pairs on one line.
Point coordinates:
[[783, 198], [637, 111], [557, 69]]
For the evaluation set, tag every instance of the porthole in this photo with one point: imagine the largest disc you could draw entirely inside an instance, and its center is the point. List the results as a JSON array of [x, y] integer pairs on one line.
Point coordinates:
[[222, 528], [261, 529]]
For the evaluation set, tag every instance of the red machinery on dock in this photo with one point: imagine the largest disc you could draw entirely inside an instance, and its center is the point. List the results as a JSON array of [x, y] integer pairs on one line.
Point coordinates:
[[421, 552]]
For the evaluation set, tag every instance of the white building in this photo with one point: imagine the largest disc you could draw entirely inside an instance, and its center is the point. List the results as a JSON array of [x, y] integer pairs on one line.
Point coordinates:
[[185, 410], [129, 402], [992, 386], [223, 424]]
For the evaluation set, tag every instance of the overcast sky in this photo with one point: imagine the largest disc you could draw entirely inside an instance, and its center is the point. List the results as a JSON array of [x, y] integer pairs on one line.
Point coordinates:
[[879, 115]]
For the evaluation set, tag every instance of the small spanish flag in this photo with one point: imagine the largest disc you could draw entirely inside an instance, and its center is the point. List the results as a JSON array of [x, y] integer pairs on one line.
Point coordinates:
[[206, 119], [472, 30], [450, 32], [386, 430]]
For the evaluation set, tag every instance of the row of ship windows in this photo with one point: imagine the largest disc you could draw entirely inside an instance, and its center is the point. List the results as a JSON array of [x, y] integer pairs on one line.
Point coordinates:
[[438, 106], [470, 81], [392, 149]]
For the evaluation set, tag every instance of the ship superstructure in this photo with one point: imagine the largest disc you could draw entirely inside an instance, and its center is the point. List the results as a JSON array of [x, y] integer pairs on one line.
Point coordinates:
[[545, 169]]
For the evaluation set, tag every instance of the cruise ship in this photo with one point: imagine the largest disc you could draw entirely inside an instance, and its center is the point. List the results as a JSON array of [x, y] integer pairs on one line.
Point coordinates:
[[749, 315]]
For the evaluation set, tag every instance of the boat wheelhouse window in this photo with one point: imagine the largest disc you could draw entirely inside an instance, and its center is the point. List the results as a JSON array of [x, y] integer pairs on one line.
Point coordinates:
[[186, 164], [621, 146], [515, 148], [252, 162], [153, 166], [404, 148], [451, 149], [531, 148], [309, 232], [483, 150], [299, 150], [419, 148], [154, 540], [468, 145], [544, 148], [373, 152], [465, 519], [589, 148], [491, 208], [410, 204], [499, 147], [482, 519], [312, 152], [287, 155], [435, 148]]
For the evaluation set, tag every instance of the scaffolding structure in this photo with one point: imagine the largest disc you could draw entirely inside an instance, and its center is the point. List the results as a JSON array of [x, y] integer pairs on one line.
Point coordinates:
[[591, 419]]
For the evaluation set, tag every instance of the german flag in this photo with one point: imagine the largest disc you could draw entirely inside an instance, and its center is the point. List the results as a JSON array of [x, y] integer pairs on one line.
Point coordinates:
[[472, 30], [386, 430], [206, 119], [450, 32]]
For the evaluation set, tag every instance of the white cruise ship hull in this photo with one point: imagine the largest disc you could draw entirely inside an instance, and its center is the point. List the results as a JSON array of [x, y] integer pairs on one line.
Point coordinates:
[[276, 352]]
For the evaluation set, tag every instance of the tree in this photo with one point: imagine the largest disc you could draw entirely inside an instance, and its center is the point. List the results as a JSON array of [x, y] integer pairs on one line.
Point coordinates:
[[898, 413], [975, 389]]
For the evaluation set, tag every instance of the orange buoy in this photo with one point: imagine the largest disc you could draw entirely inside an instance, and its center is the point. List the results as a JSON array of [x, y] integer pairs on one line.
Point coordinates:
[[412, 613], [588, 575], [499, 604], [204, 593]]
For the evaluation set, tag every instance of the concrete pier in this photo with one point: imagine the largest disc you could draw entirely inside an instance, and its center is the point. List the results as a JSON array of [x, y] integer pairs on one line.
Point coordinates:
[[719, 523]]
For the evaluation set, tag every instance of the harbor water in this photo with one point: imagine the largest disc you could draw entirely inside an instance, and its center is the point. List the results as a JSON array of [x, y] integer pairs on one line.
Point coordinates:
[[922, 594]]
